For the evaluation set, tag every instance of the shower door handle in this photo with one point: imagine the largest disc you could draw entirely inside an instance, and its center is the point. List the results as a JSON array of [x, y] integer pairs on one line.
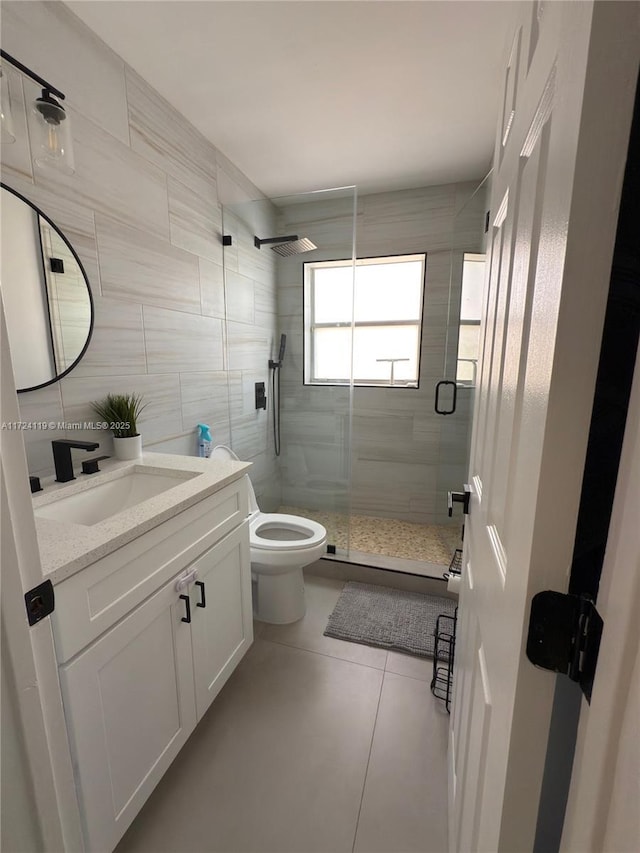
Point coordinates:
[[459, 497], [439, 385]]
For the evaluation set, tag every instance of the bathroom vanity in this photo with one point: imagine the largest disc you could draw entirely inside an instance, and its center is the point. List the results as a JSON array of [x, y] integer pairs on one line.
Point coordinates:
[[152, 615]]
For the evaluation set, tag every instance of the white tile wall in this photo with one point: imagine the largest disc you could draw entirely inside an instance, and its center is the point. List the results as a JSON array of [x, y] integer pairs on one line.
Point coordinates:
[[144, 212], [135, 265]]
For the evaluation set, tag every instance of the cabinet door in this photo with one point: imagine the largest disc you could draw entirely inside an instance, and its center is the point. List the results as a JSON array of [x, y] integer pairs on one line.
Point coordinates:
[[222, 630], [130, 706]]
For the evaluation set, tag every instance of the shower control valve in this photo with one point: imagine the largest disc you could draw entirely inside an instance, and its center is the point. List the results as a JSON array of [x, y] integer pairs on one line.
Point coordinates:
[[261, 396]]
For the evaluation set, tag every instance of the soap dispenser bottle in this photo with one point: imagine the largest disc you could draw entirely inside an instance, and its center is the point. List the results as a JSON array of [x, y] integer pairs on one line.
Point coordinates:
[[204, 441]]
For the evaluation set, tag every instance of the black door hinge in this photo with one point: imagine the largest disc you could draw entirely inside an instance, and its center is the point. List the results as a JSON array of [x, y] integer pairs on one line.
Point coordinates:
[[564, 636], [40, 602]]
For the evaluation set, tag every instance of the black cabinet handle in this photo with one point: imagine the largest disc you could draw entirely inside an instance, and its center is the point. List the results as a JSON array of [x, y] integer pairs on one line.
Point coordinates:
[[450, 411], [203, 600], [187, 603]]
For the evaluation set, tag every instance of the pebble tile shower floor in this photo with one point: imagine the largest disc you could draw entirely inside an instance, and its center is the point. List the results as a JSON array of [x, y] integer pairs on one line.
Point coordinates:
[[315, 745], [389, 537]]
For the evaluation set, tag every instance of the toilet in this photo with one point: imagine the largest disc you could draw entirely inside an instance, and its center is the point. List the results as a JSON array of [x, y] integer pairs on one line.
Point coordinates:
[[281, 546]]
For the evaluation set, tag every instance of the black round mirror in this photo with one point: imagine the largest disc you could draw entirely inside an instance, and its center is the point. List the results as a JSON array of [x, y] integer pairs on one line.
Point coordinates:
[[46, 294]]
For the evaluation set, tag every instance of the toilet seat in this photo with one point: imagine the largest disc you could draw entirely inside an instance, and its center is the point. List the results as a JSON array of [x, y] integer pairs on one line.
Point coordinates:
[[296, 533]]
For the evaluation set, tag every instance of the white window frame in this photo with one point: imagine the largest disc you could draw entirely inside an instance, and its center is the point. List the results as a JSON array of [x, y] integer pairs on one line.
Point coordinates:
[[310, 325]]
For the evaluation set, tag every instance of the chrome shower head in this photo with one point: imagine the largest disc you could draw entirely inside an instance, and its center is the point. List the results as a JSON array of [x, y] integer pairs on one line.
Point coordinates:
[[286, 246]]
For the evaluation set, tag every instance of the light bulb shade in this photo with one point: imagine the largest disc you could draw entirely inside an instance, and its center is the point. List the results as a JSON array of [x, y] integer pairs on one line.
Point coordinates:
[[52, 142], [6, 119]]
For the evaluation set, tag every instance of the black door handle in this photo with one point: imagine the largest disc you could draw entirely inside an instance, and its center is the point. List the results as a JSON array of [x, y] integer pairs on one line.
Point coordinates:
[[453, 402], [203, 600], [187, 603], [459, 497]]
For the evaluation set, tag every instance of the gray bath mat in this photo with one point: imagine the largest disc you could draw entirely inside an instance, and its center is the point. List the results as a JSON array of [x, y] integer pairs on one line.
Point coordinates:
[[389, 618]]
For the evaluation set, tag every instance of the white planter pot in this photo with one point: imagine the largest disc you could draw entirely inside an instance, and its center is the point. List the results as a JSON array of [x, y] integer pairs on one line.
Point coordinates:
[[128, 448]]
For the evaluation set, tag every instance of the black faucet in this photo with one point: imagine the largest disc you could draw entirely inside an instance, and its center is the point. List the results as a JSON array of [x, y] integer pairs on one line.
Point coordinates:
[[62, 456]]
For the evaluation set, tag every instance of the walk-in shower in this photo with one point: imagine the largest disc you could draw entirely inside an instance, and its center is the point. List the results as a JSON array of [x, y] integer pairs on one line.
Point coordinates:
[[348, 442]]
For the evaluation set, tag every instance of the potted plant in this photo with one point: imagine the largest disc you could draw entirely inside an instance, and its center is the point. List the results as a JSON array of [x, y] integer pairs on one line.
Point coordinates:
[[120, 412]]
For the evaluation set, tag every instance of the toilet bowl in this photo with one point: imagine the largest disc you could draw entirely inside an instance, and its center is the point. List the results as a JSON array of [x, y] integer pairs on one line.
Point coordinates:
[[281, 546]]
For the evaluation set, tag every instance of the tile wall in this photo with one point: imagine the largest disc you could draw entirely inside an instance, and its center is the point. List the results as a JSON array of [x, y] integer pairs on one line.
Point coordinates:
[[403, 457], [144, 212]]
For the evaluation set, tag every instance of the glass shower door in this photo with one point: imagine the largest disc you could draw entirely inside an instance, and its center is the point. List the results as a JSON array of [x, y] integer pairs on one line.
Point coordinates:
[[300, 443], [316, 389], [461, 356]]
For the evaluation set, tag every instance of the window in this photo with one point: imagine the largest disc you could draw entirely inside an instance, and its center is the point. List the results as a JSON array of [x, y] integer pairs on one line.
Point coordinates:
[[384, 296], [470, 313]]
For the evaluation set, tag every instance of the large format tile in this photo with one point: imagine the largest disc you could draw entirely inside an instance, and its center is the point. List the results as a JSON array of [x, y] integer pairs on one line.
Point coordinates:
[[117, 343], [164, 137], [135, 265], [195, 220], [322, 595], [409, 220], [249, 426], [211, 288], [160, 419], [410, 666], [233, 185], [249, 346], [276, 765], [178, 342], [239, 297], [404, 806], [205, 399]]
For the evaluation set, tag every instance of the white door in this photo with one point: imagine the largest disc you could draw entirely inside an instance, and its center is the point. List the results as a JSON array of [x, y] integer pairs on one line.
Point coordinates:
[[130, 705], [602, 812], [221, 612], [558, 167]]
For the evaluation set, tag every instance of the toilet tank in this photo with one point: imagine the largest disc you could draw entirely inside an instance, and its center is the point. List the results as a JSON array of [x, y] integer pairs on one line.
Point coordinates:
[[221, 451]]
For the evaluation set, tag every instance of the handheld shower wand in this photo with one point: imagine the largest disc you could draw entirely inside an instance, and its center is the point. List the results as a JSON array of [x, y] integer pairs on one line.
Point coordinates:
[[283, 346], [275, 392]]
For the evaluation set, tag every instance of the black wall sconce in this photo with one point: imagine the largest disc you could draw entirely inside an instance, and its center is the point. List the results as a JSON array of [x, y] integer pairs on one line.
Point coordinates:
[[51, 131]]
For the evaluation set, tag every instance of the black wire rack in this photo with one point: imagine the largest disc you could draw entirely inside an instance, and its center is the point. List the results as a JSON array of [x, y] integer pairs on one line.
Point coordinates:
[[455, 566], [443, 657]]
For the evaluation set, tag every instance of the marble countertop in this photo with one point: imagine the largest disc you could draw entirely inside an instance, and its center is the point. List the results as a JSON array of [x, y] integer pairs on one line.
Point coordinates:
[[66, 548]]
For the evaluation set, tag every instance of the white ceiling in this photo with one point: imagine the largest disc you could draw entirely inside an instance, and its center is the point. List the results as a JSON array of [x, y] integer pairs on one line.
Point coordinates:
[[311, 94]]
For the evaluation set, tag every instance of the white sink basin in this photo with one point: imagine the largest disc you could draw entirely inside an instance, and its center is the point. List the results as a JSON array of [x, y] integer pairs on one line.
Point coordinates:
[[103, 500]]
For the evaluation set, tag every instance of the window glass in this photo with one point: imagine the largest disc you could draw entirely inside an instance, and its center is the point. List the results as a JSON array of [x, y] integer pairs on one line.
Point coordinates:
[[470, 313], [386, 327], [333, 294], [388, 291], [472, 287]]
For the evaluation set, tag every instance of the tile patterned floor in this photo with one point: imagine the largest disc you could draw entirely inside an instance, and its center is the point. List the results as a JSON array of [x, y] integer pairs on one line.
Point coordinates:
[[391, 537], [313, 746]]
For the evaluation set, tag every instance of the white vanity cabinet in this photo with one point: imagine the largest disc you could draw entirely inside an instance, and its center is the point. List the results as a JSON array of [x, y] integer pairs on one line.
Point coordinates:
[[130, 706], [221, 615], [134, 694]]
